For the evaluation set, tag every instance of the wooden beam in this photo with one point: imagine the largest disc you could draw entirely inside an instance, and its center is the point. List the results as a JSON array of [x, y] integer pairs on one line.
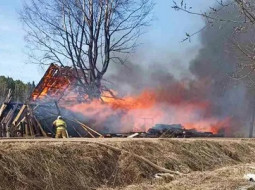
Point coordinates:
[[6, 102], [40, 126], [4, 129], [22, 120], [33, 123], [19, 114], [83, 128], [89, 128], [26, 129], [88, 131], [31, 127], [3, 107]]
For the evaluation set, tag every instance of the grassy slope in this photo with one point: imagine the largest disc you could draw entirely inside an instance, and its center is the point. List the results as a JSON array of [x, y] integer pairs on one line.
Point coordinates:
[[86, 165], [226, 178]]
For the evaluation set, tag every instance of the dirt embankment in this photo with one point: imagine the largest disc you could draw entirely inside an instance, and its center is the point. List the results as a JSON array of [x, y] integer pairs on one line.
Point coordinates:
[[89, 165]]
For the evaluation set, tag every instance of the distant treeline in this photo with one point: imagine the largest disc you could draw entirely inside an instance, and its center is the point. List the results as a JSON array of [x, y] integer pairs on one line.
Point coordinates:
[[20, 90]]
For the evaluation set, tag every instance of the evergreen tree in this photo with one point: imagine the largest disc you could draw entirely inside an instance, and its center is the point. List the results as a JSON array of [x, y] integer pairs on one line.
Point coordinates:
[[21, 91]]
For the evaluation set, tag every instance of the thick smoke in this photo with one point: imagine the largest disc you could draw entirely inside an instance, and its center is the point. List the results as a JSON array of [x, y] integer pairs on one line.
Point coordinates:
[[203, 97], [210, 81]]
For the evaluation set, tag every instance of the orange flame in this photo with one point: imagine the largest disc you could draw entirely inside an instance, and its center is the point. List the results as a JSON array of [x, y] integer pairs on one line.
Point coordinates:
[[141, 112], [54, 83], [133, 113]]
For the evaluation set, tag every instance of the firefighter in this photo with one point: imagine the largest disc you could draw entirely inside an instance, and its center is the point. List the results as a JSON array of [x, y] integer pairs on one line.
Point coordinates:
[[60, 126]]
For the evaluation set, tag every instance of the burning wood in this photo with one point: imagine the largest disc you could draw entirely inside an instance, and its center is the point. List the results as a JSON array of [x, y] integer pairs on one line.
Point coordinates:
[[54, 83], [20, 120], [177, 130], [167, 131], [59, 84]]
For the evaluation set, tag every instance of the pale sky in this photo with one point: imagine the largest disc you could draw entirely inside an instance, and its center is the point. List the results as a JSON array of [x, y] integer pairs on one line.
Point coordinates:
[[163, 38]]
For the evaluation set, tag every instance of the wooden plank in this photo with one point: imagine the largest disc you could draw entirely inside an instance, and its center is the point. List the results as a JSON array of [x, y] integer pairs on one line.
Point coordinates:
[[8, 134], [19, 114], [8, 97], [3, 107], [10, 118], [1, 130], [22, 120], [6, 102], [5, 119], [76, 131], [88, 131], [40, 126], [4, 129], [34, 124], [89, 128], [83, 128], [26, 129], [22, 128], [31, 127]]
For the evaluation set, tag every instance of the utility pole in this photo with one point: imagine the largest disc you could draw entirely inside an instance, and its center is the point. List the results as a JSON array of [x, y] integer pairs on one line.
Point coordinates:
[[252, 121]]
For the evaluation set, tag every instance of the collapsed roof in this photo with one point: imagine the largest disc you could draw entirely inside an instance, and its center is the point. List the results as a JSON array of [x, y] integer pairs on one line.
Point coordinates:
[[55, 82], [35, 117]]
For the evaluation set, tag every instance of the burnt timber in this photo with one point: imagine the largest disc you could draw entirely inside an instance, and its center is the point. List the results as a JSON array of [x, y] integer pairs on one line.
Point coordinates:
[[34, 117]]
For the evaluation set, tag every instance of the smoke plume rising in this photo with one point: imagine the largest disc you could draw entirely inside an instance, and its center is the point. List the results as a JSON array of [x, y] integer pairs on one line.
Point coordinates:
[[205, 98]]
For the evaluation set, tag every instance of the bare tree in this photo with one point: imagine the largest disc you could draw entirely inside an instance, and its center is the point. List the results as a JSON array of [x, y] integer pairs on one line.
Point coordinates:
[[245, 13], [84, 34], [244, 20]]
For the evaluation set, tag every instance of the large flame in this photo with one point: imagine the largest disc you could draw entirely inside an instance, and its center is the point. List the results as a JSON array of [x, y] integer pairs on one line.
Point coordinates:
[[54, 83], [172, 102], [140, 112]]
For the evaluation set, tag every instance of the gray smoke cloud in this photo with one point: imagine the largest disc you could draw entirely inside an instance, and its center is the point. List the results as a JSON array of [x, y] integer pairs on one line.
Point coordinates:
[[207, 80]]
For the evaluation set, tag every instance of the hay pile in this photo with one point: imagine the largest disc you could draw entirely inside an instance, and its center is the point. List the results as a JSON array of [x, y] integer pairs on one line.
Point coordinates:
[[88, 165]]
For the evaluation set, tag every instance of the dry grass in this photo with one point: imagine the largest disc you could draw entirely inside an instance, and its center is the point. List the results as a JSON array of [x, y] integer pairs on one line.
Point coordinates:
[[209, 164], [226, 178]]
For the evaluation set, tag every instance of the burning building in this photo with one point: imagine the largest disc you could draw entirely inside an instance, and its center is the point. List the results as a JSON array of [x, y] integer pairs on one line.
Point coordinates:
[[58, 94], [34, 117]]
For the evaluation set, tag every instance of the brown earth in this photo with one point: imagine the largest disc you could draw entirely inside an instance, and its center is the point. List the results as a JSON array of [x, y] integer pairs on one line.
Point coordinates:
[[126, 163]]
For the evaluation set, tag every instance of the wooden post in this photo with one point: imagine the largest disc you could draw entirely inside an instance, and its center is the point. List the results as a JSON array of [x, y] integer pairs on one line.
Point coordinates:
[[40, 127], [22, 128], [1, 130], [31, 127], [35, 125], [26, 129], [19, 114], [4, 129], [8, 135], [6, 101]]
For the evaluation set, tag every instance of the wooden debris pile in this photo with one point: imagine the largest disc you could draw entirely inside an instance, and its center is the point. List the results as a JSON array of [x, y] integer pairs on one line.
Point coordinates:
[[177, 131], [35, 117], [23, 120], [18, 120]]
